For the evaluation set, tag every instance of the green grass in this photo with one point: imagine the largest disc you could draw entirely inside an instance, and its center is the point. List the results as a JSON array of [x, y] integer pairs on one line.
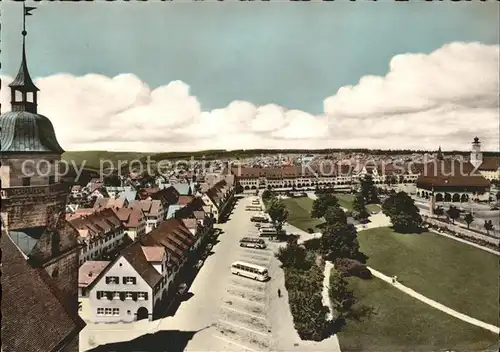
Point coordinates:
[[299, 213], [402, 323], [345, 200], [373, 208], [459, 276], [92, 158]]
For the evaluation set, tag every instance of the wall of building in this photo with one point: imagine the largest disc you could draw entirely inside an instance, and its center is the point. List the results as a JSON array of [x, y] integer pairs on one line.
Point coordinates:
[[64, 273], [36, 166], [128, 307]]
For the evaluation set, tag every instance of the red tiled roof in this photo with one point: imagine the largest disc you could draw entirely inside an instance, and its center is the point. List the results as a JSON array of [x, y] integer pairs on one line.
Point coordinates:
[[34, 317], [184, 200], [153, 254], [171, 234], [450, 173], [490, 163], [130, 217], [89, 271], [135, 256]]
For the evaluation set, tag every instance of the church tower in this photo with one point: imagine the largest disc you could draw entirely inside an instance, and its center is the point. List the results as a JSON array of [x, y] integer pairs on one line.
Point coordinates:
[[33, 196], [476, 156]]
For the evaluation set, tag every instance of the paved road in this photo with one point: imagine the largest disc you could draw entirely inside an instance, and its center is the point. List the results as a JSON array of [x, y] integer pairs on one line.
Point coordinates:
[[480, 214], [229, 313], [435, 304]]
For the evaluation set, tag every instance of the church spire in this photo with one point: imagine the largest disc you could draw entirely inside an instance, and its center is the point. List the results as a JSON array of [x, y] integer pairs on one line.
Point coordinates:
[[440, 154], [23, 90]]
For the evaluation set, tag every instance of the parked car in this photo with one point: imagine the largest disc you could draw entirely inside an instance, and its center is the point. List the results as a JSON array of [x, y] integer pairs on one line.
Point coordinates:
[[182, 289]]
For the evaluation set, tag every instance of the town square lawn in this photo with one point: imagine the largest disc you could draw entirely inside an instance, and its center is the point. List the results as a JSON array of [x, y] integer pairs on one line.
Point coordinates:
[[403, 323], [345, 201], [299, 213], [452, 273]]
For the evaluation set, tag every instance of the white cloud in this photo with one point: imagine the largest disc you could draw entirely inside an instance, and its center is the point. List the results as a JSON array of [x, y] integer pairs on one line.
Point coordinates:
[[425, 100]]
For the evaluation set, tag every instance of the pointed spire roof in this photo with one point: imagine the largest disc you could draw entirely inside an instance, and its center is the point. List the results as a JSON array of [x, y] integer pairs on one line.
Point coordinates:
[[440, 154], [23, 81]]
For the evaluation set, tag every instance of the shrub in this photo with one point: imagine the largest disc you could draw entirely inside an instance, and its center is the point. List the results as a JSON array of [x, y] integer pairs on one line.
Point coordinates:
[[310, 230], [313, 244], [306, 303], [350, 267]]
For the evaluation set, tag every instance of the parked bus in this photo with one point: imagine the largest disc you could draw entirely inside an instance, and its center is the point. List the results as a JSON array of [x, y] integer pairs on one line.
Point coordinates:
[[253, 242], [259, 218], [268, 231], [251, 271], [253, 208]]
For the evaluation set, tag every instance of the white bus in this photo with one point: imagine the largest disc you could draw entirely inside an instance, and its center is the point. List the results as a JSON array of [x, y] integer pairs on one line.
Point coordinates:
[[253, 242], [259, 218], [268, 231], [251, 271]]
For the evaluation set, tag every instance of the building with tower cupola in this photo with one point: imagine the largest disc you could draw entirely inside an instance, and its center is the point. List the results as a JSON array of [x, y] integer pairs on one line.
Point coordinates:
[[40, 249], [488, 166], [452, 180]]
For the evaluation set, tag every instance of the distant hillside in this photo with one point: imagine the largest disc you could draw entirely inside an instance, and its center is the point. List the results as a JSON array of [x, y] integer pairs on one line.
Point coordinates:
[[93, 158]]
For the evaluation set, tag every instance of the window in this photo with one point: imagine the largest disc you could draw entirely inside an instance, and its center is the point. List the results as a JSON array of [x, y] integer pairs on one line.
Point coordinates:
[[108, 311], [112, 279], [55, 272], [128, 295], [100, 311], [116, 295], [52, 180], [29, 97], [141, 295], [116, 311], [26, 181], [129, 280]]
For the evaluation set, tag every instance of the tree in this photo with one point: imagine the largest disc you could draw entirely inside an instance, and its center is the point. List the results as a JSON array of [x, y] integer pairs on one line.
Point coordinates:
[[453, 213], [488, 226], [112, 180], [335, 216], [468, 219], [368, 189], [404, 215], [266, 194], [238, 188], [497, 195], [278, 212], [341, 241], [322, 203], [438, 211], [294, 256], [359, 208]]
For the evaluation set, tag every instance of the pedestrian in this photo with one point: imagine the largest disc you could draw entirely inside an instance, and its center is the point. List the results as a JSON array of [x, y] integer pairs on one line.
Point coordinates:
[[279, 293]]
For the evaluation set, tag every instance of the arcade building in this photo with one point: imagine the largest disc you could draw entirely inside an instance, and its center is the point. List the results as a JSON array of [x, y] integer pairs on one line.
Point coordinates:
[[455, 180]]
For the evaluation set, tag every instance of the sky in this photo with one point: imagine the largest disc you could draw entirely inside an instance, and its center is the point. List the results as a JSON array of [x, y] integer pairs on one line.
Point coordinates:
[[162, 76]]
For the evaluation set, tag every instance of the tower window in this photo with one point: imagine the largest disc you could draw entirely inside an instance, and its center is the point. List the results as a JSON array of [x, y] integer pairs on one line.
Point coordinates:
[[29, 97], [18, 95], [26, 181]]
